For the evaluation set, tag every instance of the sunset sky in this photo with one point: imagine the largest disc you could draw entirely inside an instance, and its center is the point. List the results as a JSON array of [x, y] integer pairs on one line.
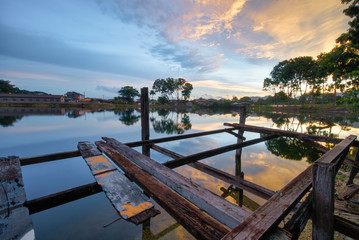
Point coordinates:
[[224, 48]]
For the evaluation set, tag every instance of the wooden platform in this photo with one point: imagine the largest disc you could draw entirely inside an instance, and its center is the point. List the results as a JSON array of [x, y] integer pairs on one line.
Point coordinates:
[[131, 203]]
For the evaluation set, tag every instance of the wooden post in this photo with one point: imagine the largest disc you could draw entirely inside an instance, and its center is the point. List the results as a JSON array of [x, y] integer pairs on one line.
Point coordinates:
[[324, 171], [238, 157], [323, 201], [145, 123]]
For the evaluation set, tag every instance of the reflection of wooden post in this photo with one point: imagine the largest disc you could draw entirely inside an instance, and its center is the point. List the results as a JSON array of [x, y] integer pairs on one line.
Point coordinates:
[[145, 124], [238, 172]]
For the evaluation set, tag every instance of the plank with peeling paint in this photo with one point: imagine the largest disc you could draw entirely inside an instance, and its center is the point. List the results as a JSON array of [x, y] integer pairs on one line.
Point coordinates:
[[15, 221], [217, 207], [126, 197]]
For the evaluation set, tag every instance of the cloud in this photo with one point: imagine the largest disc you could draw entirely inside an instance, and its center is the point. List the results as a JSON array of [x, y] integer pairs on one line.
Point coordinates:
[[182, 27], [26, 75], [45, 49], [224, 86], [283, 29], [107, 89]]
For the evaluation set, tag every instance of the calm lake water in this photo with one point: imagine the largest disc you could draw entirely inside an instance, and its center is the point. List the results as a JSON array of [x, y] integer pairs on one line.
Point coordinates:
[[33, 132]]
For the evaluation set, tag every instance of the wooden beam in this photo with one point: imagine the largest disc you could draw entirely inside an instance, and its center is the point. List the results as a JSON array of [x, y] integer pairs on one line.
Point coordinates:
[[57, 199], [125, 196], [265, 218], [300, 218], [235, 181], [179, 137], [49, 157], [324, 171], [224, 211], [193, 219], [202, 155], [346, 227], [300, 136], [325, 149]]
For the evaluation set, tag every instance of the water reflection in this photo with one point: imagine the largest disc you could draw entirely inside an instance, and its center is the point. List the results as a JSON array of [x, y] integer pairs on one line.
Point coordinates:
[[127, 117], [171, 122], [7, 121], [292, 149]]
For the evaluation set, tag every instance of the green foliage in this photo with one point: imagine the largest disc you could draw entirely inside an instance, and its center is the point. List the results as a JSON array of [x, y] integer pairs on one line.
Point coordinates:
[[7, 121], [167, 87], [127, 117], [128, 94], [6, 87], [351, 37]]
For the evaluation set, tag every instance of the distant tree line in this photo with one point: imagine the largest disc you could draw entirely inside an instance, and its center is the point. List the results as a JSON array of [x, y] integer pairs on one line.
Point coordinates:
[[332, 72], [7, 87]]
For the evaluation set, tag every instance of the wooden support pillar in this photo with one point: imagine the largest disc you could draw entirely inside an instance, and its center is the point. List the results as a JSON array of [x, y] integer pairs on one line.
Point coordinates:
[[238, 157], [324, 171], [145, 123], [354, 170]]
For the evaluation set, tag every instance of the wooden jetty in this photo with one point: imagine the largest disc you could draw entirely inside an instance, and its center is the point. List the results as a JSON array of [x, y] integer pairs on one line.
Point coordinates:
[[205, 215]]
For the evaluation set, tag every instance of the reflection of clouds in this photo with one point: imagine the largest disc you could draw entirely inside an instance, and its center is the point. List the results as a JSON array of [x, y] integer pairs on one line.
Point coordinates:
[[275, 172], [31, 129]]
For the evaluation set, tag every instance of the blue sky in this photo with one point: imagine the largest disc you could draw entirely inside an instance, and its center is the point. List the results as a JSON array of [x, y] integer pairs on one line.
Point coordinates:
[[224, 48]]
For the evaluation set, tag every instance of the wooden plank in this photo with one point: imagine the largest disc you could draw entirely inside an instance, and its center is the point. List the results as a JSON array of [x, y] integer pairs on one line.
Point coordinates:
[[49, 157], [325, 149], [349, 192], [202, 155], [63, 197], [237, 182], [301, 136], [193, 219], [224, 211], [346, 227], [15, 221], [127, 198], [265, 218], [300, 218], [179, 137]]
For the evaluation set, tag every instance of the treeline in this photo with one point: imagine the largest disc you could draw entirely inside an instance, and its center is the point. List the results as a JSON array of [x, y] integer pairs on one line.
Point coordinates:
[[6, 87], [330, 73], [168, 90]]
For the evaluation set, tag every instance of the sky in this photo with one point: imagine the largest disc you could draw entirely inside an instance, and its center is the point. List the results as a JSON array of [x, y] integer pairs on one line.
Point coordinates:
[[224, 48]]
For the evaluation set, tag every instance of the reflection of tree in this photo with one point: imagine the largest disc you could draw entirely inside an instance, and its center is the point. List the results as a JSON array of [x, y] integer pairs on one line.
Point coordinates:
[[234, 193], [293, 149], [127, 117], [169, 125], [7, 121]]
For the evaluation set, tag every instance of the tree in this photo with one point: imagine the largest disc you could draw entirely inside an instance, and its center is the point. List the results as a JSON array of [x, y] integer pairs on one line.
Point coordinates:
[[6, 87], [128, 94], [187, 89], [166, 88], [351, 37]]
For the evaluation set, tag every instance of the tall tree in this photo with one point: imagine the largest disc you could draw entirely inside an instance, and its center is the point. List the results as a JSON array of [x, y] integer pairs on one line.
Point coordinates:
[[128, 94], [187, 89], [351, 37]]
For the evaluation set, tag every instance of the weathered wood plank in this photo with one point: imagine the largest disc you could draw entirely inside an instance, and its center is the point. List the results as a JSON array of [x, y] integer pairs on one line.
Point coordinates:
[[325, 149], [179, 137], [300, 218], [15, 221], [237, 182], [272, 212], [224, 211], [349, 192], [202, 155], [346, 227], [63, 197], [49, 157], [195, 221], [301, 136], [127, 198]]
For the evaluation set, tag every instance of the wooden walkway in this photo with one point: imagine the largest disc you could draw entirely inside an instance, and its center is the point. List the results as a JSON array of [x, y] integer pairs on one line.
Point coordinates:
[[202, 213]]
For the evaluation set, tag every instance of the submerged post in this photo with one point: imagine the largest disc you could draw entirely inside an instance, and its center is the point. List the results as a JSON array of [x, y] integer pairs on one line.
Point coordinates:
[[238, 157], [145, 124]]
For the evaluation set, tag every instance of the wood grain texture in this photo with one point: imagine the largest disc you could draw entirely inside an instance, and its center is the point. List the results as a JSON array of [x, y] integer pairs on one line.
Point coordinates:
[[224, 211], [190, 217]]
